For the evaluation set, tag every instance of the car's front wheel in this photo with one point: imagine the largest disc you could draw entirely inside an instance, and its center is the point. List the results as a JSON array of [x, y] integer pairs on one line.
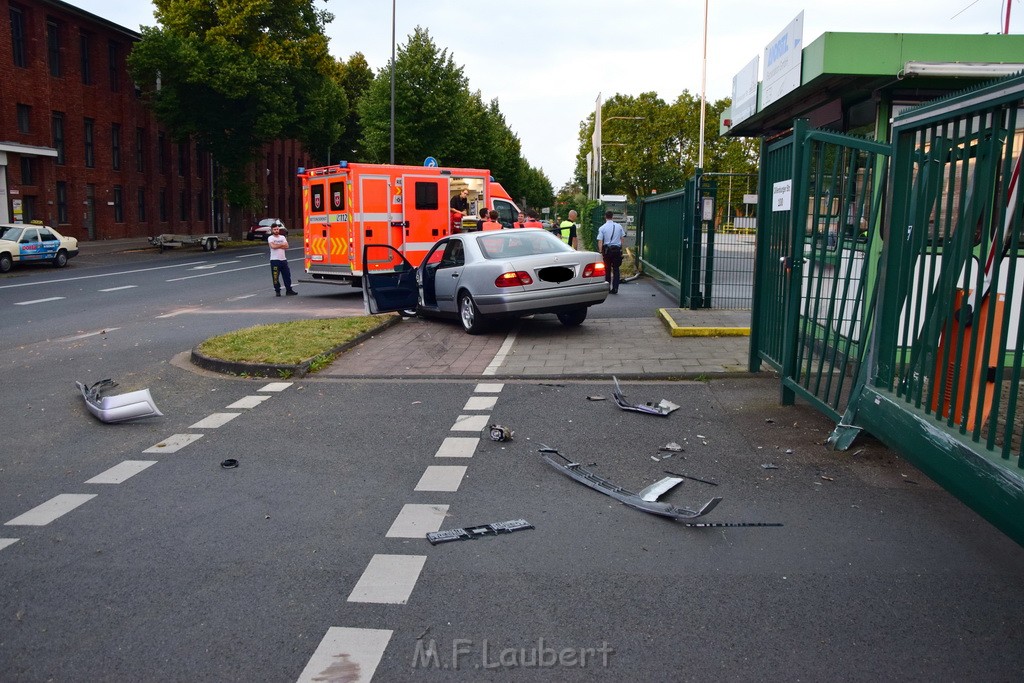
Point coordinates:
[[6, 263], [61, 259], [573, 318], [469, 315]]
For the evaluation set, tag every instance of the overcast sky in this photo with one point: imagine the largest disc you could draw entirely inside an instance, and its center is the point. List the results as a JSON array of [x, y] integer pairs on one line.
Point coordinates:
[[546, 61]]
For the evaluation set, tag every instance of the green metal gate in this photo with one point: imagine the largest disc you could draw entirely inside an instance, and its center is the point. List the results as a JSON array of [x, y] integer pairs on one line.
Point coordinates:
[[819, 213]]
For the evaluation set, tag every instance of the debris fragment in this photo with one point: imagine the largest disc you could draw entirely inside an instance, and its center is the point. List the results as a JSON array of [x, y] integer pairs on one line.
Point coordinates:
[[671, 446], [659, 488], [827, 478], [471, 532], [655, 458], [769, 466], [229, 463], [789, 451], [596, 397], [686, 476], [134, 404], [500, 433], [574, 470], [769, 420], [662, 408]]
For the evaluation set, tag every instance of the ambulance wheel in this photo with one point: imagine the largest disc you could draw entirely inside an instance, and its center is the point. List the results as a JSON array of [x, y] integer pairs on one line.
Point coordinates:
[[469, 315]]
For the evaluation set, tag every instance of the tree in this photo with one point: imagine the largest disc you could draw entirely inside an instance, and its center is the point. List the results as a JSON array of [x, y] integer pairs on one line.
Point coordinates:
[[234, 75], [355, 78]]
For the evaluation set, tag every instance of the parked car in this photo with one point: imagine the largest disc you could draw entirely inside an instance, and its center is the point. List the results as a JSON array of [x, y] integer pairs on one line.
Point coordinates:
[[25, 243], [261, 230], [482, 276]]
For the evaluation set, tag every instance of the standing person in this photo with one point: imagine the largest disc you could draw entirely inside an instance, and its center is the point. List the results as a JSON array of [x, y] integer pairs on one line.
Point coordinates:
[[483, 219], [521, 223], [493, 223], [532, 219], [278, 244], [609, 243], [567, 230]]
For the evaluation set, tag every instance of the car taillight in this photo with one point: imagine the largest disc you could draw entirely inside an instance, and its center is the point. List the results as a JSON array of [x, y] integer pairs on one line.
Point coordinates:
[[517, 279], [594, 270]]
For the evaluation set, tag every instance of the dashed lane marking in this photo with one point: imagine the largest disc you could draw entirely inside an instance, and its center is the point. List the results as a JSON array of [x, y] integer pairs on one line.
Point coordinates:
[[38, 301], [275, 386], [489, 388], [247, 402], [470, 423], [173, 443], [56, 507], [480, 403], [458, 447], [441, 478], [121, 472], [4, 542], [118, 289], [347, 654], [215, 420], [388, 579], [415, 521]]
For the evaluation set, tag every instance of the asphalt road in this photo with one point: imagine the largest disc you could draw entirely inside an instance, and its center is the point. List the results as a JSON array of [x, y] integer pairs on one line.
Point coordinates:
[[307, 561]]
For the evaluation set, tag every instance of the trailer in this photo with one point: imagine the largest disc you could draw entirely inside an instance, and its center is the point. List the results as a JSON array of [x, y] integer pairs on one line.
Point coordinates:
[[208, 242]]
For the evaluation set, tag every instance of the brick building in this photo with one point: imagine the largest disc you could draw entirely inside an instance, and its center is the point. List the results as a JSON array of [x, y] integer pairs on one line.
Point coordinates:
[[80, 151]]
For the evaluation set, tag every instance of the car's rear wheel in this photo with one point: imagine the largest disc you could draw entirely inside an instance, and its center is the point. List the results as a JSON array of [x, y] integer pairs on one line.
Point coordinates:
[[61, 259], [469, 315], [6, 263], [573, 318]]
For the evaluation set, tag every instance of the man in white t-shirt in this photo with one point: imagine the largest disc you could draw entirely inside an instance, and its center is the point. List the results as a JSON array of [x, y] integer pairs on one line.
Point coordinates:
[[278, 244]]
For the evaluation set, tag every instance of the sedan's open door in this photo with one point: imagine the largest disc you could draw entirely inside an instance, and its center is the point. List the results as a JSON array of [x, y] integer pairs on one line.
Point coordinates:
[[389, 280]]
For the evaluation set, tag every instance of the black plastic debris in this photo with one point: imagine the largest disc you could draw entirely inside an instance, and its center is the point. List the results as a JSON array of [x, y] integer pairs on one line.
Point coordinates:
[[769, 466], [671, 447], [662, 408], [686, 476], [471, 532], [229, 463], [500, 433], [576, 471]]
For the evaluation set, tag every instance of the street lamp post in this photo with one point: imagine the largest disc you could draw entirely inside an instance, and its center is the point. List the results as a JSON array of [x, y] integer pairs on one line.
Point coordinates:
[[393, 81]]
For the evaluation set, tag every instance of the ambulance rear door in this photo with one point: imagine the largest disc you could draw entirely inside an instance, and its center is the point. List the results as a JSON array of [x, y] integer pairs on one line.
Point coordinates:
[[426, 214], [326, 226], [375, 222]]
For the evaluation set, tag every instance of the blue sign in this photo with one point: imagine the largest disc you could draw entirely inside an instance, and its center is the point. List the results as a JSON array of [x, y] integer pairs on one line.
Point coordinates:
[[430, 162]]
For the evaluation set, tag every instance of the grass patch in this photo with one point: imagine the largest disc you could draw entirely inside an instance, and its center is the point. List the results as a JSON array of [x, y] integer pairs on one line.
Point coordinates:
[[288, 343]]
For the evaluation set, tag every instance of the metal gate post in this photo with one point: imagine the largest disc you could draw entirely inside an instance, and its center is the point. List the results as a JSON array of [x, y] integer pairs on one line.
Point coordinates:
[[708, 190], [696, 241], [760, 271], [794, 269]]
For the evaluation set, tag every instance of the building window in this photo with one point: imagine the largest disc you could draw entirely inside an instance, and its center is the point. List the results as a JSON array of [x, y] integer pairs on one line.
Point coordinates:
[[18, 37], [24, 118], [90, 144], [200, 206], [28, 208], [85, 42], [141, 204], [140, 146], [114, 51], [115, 146], [182, 158], [162, 204], [53, 47], [62, 201], [57, 126], [28, 176], [118, 204], [182, 205]]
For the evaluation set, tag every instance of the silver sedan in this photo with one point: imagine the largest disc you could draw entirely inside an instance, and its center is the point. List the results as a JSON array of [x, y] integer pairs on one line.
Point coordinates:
[[482, 276]]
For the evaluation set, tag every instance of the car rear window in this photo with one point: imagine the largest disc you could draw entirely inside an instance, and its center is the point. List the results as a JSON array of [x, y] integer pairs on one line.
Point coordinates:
[[513, 243]]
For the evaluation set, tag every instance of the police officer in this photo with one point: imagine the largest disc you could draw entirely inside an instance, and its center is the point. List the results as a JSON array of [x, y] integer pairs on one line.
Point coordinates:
[[609, 243]]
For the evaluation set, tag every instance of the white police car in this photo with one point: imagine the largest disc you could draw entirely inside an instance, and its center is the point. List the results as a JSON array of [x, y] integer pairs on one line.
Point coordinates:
[[25, 243]]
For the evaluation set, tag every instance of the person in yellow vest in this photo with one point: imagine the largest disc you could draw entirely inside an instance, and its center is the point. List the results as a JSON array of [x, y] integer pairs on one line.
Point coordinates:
[[567, 230]]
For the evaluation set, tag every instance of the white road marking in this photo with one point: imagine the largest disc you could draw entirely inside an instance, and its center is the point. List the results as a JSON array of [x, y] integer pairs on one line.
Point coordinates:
[[86, 335], [499, 357], [457, 447], [4, 542], [121, 472], [214, 420], [91, 277], [275, 386], [485, 388], [480, 403], [38, 301], [244, 296], [470, 423], [388, 579], [173, 443], [56, 507], [181, 311], [441, 478], [415, 521], [222, 272], [118, 289], [346, 654], [206, 267], [247, 402]]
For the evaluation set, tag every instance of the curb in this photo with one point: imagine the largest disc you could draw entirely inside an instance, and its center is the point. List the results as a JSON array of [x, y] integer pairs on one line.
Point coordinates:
[[677, 331], [296, 371]]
